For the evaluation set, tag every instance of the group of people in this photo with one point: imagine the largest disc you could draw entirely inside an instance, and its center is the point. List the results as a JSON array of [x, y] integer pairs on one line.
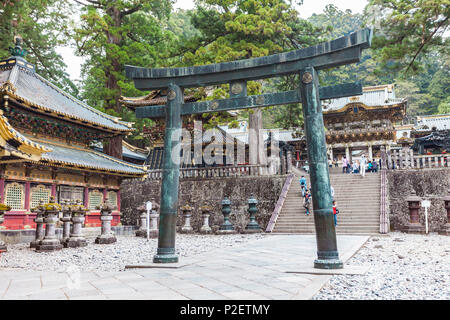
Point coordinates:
[[307, 198], [360, 166]]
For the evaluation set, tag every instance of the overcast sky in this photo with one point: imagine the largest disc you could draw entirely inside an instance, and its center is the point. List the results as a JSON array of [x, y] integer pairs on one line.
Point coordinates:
[[306, 10]]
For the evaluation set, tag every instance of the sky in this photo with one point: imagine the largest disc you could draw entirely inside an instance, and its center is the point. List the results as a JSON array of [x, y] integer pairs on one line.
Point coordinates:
[[306, 10]]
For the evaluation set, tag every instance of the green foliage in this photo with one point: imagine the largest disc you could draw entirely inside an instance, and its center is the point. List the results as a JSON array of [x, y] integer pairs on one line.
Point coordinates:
[[407, 30], [112, 34], [241, 29], [43, 25]]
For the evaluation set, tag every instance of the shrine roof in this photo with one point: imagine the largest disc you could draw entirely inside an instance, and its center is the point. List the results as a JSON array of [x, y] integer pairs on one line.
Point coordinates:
[[382, 96], [427, 123], [241, 134], [20, 82], [77, 157], [154, 98], [128, 151], [17, 146]]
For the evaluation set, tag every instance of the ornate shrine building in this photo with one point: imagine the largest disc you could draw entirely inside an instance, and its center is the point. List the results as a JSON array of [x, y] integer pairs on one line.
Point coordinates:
[[45, 147], [363, 123]]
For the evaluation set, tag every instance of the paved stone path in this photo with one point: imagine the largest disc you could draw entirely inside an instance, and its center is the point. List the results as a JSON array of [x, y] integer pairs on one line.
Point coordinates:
[[254, 271]]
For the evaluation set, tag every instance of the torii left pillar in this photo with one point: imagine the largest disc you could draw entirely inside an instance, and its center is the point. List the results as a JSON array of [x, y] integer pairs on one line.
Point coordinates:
[[170, 179]]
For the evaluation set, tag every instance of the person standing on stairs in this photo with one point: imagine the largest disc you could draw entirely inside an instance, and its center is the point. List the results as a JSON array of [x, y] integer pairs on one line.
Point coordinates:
[[303, 185], [332, 192], [335, 212], [362, 164], [307, 201], [344, 165]]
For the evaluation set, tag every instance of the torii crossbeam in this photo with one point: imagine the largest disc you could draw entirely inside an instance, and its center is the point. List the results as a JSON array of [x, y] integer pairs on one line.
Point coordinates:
[[306, 62]]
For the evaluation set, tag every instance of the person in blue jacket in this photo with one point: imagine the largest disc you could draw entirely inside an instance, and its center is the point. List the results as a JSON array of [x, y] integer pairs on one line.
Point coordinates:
[[303, 185]]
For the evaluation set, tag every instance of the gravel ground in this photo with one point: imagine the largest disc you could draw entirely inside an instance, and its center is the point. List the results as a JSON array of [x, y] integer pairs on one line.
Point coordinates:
[[402, 267], [113, 257]]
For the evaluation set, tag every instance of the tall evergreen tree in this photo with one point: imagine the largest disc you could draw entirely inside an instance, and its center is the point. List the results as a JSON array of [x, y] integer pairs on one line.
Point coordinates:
[[43, 25]]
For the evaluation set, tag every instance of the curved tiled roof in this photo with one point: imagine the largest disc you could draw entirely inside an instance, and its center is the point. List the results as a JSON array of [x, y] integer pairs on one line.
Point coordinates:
[[89, 159], [427, 123], [376, 96], [36, 92]]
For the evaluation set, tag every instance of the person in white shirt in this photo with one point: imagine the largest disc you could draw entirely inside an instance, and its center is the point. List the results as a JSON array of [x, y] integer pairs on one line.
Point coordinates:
[[332, 192], [362, 163]]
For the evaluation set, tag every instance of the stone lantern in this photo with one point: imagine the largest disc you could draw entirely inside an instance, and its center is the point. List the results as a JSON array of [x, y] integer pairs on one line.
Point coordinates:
[[414, 226], [187, 214], [154, 220], [142, 231], [50, 241], [445, 229], [107, 236], [39, 220], [206, 213], [252, 226], [3, 209], [66, 220], [226, 227], [76, 239]]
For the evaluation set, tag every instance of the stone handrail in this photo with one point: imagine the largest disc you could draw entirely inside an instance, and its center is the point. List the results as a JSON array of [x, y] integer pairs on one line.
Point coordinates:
[[384, 215], [280, 203], [212, 172], [405, 159]]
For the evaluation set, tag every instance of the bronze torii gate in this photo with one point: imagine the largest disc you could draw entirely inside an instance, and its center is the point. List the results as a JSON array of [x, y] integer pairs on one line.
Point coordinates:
[[306, 62]]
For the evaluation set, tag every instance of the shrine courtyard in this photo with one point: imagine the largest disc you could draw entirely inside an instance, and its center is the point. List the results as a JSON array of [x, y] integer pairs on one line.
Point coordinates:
[[236, 267]]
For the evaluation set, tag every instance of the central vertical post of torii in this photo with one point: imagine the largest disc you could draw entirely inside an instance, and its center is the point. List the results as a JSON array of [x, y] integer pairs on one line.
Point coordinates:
[[306, 62]]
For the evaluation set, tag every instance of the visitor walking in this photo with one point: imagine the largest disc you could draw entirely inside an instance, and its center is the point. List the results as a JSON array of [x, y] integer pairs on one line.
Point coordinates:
[[303, 185], [332, 192], [355, 167], [307, 202], [344, 165], [362, 165], [375, 166], [335, 212]]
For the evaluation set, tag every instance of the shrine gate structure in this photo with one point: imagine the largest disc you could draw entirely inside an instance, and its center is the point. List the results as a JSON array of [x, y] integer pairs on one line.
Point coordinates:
[[305, 62]]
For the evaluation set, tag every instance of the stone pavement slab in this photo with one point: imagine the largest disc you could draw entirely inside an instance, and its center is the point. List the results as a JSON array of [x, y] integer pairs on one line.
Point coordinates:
[[255, 270]]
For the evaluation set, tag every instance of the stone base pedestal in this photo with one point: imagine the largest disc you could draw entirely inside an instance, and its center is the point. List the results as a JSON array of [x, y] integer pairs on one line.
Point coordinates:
[[35, 243], [445, 230], [141, 233], [46, 246], [186, 230], [75, 243], [328, 264], [206, 231], [252, 231], [226, 232], [105, 239], [414, 228]]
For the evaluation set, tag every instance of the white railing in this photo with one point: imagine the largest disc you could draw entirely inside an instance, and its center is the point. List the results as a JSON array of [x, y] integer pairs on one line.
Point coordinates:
[[213, 172], [405, 159]]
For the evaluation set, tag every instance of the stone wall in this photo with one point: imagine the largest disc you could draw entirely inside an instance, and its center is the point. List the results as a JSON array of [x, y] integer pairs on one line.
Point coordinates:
[[211, 191], [432, 184]]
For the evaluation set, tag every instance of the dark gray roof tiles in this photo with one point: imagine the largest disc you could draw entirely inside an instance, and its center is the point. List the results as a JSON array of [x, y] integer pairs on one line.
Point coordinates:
[[36, 91], [87, 158]]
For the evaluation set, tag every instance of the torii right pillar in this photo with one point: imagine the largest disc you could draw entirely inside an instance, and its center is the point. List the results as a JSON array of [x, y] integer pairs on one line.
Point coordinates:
[[327, 253]]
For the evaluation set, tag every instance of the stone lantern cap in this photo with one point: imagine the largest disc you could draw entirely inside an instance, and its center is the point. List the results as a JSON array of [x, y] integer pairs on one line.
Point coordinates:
[[77, 207], [205, 207], [105, 206], [52, 205], [413, 197], [4, 207], [252, 199], [186, 207], [226, 201]]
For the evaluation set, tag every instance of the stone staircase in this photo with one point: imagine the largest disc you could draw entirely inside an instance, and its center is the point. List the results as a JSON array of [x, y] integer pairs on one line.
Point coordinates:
[[358, 201]]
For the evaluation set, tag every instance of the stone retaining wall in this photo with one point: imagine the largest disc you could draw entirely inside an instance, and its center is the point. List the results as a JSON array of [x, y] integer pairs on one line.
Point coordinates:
[[432, 184], [210, 191]]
